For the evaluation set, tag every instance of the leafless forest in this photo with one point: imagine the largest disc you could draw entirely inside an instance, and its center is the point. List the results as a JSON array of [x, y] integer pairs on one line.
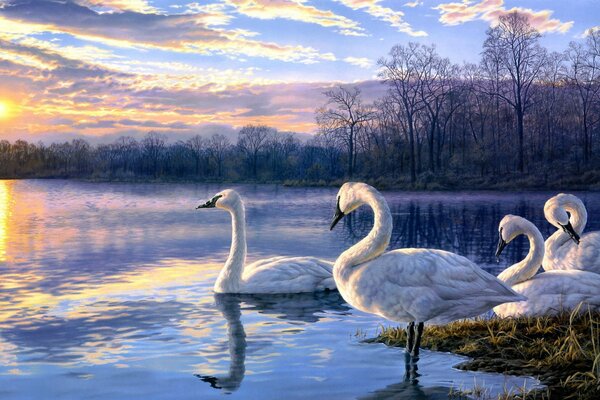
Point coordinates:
[[522, 115]]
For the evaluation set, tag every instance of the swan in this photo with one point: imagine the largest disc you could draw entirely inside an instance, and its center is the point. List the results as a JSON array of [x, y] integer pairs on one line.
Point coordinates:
[[409, 285], [549, 292], [270, 275], [565, 248]]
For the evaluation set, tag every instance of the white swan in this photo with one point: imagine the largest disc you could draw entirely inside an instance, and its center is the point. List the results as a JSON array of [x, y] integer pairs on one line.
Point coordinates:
[[409, 285], [565, 248], [549, 292], [271, 275]]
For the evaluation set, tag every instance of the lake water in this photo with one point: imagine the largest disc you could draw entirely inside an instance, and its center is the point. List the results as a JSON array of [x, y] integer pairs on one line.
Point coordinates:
[[106, 293]]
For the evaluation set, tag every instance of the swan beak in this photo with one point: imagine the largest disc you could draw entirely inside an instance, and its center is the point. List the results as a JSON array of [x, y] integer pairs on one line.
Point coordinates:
[[338, 215], [500, 247], [209, 204], [568, 228]]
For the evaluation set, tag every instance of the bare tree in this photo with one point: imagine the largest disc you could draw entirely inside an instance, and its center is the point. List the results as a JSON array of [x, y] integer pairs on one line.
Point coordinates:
[[252, 140], [197, 146], [153, 145], [584, 75], [343, 115], [513, 45], [217, 147]]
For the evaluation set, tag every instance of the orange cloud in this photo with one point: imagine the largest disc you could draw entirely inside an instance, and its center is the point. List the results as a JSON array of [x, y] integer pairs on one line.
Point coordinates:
[[492, 10], [141, 6], [392, 17]]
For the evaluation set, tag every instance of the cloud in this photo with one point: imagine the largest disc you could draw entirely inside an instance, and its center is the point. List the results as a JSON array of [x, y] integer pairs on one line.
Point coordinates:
[[413, 4], [359, 62], [492, 10], [185, 33], [296, 10], [392, 17], [589, 31], [140, 6], [59, 97]]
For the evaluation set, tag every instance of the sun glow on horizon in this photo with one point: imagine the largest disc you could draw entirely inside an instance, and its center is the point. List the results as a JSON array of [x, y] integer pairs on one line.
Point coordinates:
[[4, 110]]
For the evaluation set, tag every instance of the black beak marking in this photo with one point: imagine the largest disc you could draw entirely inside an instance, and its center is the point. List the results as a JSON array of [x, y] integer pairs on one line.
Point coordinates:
[[210, 203], [568, 228], [501, 245], [338, 215]]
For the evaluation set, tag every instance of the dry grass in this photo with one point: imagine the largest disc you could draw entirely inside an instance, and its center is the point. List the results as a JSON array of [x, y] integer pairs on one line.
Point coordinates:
[[563, 351]]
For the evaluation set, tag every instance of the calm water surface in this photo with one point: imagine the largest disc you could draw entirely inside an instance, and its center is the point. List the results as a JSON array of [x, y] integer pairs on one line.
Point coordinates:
[[105, 293]]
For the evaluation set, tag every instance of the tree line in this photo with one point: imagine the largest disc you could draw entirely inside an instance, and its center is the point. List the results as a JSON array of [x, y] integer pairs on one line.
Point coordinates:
[[522, 111]]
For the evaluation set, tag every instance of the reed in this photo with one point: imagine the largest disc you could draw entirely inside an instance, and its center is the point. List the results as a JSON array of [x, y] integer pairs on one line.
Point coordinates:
[[563, 350]]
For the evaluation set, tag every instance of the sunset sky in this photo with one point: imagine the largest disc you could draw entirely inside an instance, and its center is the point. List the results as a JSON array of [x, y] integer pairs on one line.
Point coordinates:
[[106, 68]]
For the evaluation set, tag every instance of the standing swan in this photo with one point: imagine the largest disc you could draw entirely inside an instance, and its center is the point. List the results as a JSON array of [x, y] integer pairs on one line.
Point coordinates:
[[271, 275], [565, 249], [549, 292], [409, 285]]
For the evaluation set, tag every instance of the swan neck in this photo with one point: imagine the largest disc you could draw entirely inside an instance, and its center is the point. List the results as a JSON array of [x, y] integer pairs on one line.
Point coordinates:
[[230, 277], [529, 266], [378, 239], [578, 217], [578, 220]]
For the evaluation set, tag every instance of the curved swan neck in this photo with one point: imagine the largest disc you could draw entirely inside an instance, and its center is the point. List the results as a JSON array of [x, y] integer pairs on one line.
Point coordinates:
[[375, 243], [529, 266], [231, 275], [578, 220], [578, 216]]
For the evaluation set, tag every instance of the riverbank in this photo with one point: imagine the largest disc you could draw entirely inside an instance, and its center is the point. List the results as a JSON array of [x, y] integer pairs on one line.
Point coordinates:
[[562, 351], [590, 180]]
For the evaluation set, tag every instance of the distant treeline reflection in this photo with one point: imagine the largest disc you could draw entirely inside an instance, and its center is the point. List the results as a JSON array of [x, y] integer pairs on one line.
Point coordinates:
[[469, 230]]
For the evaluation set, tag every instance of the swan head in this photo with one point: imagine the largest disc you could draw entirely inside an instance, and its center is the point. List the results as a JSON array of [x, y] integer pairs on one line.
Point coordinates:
[[349, 198], [226, 200], [512, 226], [556, 212]]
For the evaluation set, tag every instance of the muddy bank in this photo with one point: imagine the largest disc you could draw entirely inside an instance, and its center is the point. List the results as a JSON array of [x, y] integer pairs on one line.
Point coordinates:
[[562, 351]]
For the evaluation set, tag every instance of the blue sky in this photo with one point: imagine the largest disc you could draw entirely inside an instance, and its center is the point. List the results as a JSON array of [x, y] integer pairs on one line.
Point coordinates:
[[122, 67]]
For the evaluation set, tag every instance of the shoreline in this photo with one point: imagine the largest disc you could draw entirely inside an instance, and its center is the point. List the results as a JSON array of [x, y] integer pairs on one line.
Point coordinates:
[[466, 184], [562, 351]]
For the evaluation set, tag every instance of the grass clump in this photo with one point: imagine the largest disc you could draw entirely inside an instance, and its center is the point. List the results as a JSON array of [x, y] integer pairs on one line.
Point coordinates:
[[563, 351]]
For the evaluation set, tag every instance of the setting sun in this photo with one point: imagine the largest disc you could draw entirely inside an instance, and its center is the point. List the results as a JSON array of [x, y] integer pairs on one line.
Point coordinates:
[[3, 110]]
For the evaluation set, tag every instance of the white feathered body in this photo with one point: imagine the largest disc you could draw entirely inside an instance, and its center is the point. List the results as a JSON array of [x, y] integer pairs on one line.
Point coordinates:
[[569, 255], [551, 292], [277, 275], [423, 285], [562, 253], [287, 275]]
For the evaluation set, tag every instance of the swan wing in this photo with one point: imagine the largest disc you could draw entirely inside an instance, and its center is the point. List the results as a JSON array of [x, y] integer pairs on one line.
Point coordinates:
[[427, 285], [555, 291], [288, 275], [570, 256]]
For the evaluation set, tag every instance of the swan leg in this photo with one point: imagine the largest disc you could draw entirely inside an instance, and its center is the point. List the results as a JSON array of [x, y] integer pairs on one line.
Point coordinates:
[[410, 337], [417, 344]]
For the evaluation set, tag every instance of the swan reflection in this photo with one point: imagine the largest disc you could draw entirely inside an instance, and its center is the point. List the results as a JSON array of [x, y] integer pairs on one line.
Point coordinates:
[[301, 307]]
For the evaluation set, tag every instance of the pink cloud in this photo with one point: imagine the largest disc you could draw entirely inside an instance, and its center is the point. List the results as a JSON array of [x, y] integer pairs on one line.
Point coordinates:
[[492, 10]]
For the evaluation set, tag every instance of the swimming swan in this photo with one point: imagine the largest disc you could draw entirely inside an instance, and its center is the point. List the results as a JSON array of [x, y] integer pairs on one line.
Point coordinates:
[[409, 285], [565, 248], [271, 275], [549, 292]]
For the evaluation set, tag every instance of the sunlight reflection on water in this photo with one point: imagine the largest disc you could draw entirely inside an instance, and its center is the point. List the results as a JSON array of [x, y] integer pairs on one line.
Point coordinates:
[[106, 292]]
